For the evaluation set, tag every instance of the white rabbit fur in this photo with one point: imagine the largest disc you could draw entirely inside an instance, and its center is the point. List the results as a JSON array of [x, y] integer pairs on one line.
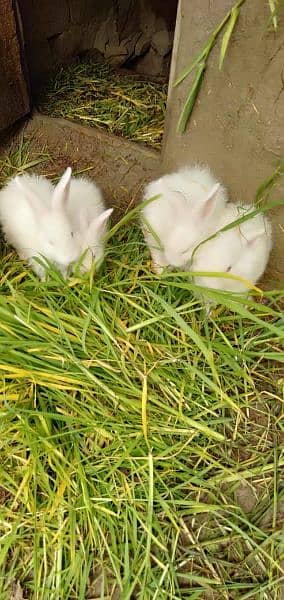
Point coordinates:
[[34, 220], [185, 213], [89, 217], [243, 251]]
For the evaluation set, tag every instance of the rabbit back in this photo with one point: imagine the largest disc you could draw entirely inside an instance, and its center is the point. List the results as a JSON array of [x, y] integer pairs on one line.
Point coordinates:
[[184, 214], [84, 197], [17, 216], [242, 251], [195, 182]]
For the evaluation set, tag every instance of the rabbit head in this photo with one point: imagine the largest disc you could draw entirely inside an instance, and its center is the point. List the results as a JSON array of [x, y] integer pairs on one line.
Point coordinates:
[[242, 251], [192, 226], [56, 240]]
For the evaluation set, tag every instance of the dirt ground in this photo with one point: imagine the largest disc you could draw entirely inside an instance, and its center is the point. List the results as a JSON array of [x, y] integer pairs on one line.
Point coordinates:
[[120, 167]]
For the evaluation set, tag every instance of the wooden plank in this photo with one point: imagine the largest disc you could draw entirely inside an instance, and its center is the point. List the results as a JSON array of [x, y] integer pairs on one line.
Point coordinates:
[[14, 97]]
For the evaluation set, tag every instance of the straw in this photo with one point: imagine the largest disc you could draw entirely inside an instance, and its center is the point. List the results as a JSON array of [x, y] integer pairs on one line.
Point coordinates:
[[94, 94]]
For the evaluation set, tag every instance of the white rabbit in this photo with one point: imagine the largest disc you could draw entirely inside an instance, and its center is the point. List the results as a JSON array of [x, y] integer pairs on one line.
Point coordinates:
[[243, 251], [34, 220], [89, 216], [185, 213]]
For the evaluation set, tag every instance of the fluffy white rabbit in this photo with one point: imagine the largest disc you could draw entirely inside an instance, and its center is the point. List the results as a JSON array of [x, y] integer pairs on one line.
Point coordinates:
[[89, 217], [186, 212], [243, 251], [35, 222]]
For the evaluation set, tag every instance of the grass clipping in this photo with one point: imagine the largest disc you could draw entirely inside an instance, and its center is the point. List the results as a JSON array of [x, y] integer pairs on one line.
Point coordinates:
[[141, 442], [95, 94]]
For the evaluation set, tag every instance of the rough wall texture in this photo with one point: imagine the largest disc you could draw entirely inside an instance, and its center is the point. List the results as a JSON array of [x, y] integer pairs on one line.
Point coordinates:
[[237, 126], [14, 98], [140, 31]]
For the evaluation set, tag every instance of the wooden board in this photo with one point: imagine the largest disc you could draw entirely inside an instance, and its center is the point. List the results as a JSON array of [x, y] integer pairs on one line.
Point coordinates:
[[14, 96]]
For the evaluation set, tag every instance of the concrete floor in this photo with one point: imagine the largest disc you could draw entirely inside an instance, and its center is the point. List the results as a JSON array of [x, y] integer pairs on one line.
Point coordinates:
[[120, 167]]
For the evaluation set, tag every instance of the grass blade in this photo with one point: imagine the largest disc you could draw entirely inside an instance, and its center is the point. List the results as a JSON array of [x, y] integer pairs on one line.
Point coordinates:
[[189, 104], [267, 185], [273, 10], [144, 408], [199, 58], [227, 34]]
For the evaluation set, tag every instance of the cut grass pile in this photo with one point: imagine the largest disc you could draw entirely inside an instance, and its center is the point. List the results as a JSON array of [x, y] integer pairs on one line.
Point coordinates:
[[93, 93], [141, 442]]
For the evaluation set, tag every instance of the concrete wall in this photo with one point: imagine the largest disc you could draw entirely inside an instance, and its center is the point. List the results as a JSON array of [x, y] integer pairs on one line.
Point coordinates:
[[56, 31], [237, 125], [14, 95]]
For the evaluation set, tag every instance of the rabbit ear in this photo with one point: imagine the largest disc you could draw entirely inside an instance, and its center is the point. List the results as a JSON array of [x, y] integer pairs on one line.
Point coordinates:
[[61, 191], [98, 225], [210, 200], [33, 200]]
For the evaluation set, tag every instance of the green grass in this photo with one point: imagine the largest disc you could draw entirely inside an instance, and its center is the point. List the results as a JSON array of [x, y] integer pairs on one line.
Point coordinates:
[[131, 427], [93, 93]]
